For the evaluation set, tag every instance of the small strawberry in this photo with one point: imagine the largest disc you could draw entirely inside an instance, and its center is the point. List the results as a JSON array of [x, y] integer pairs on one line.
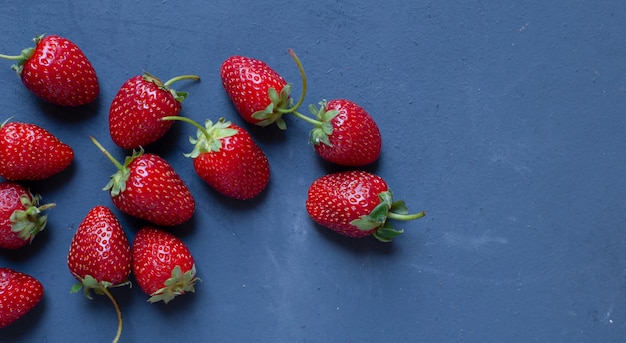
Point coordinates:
[[19, 293], [57, 71], [147, 187], [226, 157], [30, 152], [356, 204], [99, 256], [345, 133], [20, 215], [162, 264], [137, 107], [258, 92]]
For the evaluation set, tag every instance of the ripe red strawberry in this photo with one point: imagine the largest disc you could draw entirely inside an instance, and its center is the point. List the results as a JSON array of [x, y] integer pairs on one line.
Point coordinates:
[[137, 107], [30, 152], [147, 187], [258, 92], [20, 215], [346, 134], [99, 256], [57, 71], [226, 157], [356, 204], [162, 264], [19, 293]]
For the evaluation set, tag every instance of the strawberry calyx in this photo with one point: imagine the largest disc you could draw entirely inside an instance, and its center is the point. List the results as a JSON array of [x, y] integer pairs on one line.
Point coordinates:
[[29, 221], [179, 283], [117, 184], [179, 96], [323, 126], [24, 56], [208, 138], [101, 288], [377, 219]]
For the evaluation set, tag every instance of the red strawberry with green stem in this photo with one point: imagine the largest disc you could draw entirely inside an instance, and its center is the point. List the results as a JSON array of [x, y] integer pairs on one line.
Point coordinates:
[[21, 217], [99, 257], [146, 186], [356, 204], [57, 71], [19, 293], [137, 107], [226, 157], [162, 264], [30, 152]]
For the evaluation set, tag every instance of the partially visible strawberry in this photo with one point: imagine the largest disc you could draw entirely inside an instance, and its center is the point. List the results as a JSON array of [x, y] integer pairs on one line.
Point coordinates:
[[57, 71], [30, 152], [19, 293], [162, 264], [99, 256], [147, 187], [356, 204], [137, 107], [20, 215], [346, 134], [258, 92], [226, 157]]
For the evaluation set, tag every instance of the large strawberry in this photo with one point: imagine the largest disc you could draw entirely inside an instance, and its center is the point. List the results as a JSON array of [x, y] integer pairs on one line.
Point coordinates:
[[19, 293], [57, 71], [20, 215], [162, 264], [356, 204], [137, 107], [30, 152], [226, 157], [257, 91], [345, 133], [99, 256], [147, 187]]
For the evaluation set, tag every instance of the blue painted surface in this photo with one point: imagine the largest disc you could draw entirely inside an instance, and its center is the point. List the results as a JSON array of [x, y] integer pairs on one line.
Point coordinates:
[[504, 120]]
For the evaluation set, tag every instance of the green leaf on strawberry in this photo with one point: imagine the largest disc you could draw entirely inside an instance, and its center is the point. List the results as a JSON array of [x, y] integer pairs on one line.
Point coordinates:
[[29, 221], [178, 284]]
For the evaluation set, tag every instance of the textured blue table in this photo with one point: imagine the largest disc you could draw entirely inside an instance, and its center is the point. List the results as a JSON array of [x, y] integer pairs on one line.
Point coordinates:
[[504, 121]]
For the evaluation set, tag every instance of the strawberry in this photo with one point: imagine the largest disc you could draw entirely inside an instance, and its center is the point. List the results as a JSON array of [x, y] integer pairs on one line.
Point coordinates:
[[99, 256], [20, 215], [30, 152], [345, 134], [162, 264], [137, 107], [226, 157], [258, 92], [19, 293], [57, 71], [356, 204], [147, 187]]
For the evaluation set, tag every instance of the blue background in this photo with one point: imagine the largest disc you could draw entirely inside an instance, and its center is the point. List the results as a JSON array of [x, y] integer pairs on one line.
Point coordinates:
[[503, 120]]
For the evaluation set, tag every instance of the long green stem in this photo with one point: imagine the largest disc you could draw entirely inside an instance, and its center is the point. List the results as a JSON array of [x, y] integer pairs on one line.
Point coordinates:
[[7, 57], [307, 118], [304, 84], [107, 154], [398, 216], [119, 314], [190, 121], [181, 77]]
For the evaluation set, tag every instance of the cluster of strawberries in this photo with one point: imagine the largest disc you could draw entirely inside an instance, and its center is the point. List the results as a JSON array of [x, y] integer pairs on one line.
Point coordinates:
[[354, 203]]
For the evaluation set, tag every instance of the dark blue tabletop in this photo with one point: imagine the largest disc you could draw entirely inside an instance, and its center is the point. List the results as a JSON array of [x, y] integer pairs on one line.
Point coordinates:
[[505, 121]]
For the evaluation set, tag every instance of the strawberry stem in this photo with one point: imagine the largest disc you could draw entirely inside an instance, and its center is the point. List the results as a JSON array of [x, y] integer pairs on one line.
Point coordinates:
[[107, 154], [304, 84], [399, 216], [13, 58], [190, 121], [181, 77], [118, 311]]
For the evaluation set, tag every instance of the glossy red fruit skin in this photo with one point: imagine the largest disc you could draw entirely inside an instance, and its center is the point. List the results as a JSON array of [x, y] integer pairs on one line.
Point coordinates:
[[30, 152], [336, 199], [355, 140], [136, 110], [155, 253], [100, 248], [19, 293], [247, 81], [155, 192], [60, 73], [240, 169]]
